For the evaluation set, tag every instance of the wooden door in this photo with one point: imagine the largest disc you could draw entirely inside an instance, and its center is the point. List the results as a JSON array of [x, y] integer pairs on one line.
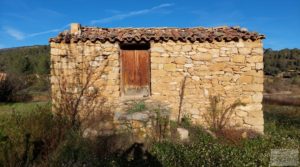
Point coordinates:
[[135, 72]]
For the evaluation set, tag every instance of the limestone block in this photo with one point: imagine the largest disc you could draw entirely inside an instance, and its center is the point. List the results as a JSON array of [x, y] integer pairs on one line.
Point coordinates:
[[251, 107], [253, 44], [165, 55], [253, 87], [170, 67], [204, 56], [258, 80], [246, 99], [239, 59], [254, 120], [159, 60], [255, 59], [183, 133], [186, 48], [196, 57], [157, 49], [257, 97], [222, 59], [188, 65], [245, 51], [180, 60], [157, 73], [160, 66], [255, 73], [202, 49], [155, 54], [259, 66], [257, 87], [196, 78], [246, 79], [217, 66], [154, 66], [233, 51], [214, 52], [177, 48], [240, 44], [258, 51]]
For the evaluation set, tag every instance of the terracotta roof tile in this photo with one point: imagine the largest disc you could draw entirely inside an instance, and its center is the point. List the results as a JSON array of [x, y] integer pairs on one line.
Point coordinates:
[[136, 35]]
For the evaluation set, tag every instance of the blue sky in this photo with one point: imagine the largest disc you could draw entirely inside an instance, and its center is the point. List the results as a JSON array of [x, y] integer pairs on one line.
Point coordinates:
[[33, 22]]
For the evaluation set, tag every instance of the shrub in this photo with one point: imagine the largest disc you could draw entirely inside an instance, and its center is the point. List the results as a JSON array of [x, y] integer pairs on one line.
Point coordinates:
[[219, 114], [296, 80], [75, 151], [12, 89], [281, 131], [29, 137], [186, 120]]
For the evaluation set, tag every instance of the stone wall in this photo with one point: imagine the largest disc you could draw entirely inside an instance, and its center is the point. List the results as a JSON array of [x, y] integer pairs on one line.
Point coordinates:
[[230, 70]]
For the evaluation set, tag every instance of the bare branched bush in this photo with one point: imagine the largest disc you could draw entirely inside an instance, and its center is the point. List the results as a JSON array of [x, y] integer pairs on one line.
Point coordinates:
[[78, 99], [219, 114]]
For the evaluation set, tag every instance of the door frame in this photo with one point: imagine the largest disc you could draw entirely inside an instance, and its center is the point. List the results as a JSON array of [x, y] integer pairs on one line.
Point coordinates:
[[121, 69]]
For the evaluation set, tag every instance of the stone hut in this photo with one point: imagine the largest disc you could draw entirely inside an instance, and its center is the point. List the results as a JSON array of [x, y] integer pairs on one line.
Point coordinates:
[[179, 67]]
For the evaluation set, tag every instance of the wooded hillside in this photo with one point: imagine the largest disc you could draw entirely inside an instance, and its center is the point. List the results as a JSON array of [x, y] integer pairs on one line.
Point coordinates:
[[35, 60], [25, 60]]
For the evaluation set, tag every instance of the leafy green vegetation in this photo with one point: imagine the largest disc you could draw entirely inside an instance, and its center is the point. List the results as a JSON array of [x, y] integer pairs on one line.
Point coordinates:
[[281, 131], [137, 106], [284, 60], [26, 70], [25, 60], [37, 131], [24, 107]]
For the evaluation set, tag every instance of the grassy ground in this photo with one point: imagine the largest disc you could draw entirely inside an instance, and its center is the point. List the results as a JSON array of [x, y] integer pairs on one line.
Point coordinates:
[[6, 107], [282, 131]]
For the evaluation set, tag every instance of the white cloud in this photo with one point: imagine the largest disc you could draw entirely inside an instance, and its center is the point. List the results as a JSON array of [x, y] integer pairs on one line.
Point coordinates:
[[18, 35], [47, 31], [130, 14]]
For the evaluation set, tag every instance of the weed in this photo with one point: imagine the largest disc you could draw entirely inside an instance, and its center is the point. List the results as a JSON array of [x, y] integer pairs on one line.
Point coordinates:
[[137, 106]]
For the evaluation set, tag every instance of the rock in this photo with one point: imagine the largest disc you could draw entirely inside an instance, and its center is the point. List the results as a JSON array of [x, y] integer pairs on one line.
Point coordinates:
[[217, 66], [180, 60], [157, 49], [239, 59], [205, 56], [138, 116], [255, 59], [246, 79], [186, 48], [196, 78], [188, 65], [257, 97], [170, 67], [259, 66], [245, 51], [183, 133]]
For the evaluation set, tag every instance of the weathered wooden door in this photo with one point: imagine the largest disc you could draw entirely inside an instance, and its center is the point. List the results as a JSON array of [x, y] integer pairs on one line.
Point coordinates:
[[135, 72]]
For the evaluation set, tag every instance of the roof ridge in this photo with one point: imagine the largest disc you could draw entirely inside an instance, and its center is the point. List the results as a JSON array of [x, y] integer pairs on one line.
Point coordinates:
[[141, 34]]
